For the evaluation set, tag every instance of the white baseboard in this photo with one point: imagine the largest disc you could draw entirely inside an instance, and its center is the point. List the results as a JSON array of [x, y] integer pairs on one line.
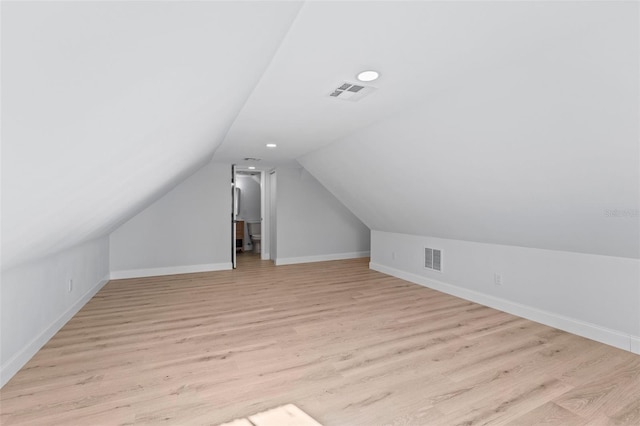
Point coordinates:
[[571, 325], [171, 270], [321, 258], [16, 362]]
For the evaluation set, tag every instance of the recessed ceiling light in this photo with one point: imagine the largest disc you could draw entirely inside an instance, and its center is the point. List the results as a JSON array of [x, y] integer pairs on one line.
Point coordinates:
[[369, 75], [271, 145], [251, 168]]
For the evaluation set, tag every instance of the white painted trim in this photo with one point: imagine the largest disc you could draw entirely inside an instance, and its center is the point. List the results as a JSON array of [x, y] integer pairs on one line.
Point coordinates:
[[321, 258], [16, 362], [171, 270], [571, 325]]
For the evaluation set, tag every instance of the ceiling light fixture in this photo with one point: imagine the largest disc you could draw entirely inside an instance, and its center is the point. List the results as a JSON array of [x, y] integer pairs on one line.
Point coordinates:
[[369, 75], [271, 145], [251, 168]]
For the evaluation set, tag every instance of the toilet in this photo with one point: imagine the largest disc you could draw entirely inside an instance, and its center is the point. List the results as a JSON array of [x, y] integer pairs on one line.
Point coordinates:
[[254, 235]]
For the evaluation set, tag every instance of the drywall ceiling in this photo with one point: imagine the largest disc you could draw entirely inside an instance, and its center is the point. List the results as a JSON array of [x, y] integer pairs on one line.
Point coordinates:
[[420, 48], [504, 122], [539, 147], [107, 105], [509, 122]]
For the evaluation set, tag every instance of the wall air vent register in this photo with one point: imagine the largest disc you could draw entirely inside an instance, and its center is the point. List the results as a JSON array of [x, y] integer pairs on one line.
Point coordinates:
[[433, 259]]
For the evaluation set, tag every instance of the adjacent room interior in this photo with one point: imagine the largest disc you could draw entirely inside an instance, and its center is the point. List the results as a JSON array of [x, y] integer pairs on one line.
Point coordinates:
[[358, 212]]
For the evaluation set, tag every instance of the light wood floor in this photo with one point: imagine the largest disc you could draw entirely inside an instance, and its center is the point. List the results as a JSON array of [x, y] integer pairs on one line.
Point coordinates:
[[347, 345]]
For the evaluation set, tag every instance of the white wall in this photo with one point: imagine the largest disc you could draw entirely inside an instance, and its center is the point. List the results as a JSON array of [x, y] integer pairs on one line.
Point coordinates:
[[187, 230], [312, 225], [590, 295], [36, 302]]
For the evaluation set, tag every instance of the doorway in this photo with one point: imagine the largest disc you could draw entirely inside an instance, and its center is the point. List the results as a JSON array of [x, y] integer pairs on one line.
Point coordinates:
[[250, 217]]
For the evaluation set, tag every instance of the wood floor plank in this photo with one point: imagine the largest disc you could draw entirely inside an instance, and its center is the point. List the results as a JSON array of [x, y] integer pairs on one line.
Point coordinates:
[[599, 394], [549, 414], [347, 345]]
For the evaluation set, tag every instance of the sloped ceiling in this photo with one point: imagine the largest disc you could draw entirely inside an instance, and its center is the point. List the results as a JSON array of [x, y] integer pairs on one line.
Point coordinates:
[[107, 105], [505, 122], [537, 147], [502, 122]]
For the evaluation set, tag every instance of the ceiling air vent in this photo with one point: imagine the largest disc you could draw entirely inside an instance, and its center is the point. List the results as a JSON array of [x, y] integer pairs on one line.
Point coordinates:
[[351, 92], [433, 259]]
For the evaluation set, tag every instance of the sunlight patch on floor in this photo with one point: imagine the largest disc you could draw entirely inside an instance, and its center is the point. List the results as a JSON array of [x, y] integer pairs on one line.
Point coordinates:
[[286, 415]]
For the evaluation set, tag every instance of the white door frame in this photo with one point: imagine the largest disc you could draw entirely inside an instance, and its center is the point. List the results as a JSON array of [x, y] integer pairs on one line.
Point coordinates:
[[271, 196], [265, 212], [233, 216]]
